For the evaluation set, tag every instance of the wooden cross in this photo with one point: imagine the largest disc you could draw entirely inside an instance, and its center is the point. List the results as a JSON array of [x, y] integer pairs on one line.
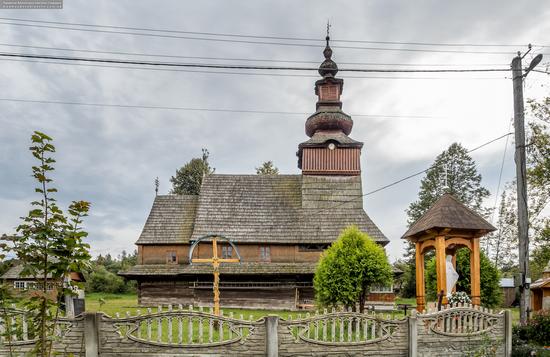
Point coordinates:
[[216, 261]]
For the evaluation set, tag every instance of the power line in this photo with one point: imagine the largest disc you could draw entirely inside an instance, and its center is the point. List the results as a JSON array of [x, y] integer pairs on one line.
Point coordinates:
[[500, 175], [258, 42], [268, 37], [405, 178], [249, 59], [270, 74], [35, 101], [246, 67]]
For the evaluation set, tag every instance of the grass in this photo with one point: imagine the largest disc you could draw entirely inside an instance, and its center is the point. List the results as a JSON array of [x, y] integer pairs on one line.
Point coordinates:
[[123, 303]]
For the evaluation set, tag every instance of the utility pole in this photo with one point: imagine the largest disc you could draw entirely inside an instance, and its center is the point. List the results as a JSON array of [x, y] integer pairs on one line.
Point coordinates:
[[521, 170]]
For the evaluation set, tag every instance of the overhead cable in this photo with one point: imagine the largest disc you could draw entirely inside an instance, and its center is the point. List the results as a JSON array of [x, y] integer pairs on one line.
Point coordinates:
[[245, 67], [269, 37]]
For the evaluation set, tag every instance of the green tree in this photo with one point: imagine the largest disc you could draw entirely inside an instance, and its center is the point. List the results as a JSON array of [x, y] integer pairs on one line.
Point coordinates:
[[188, 179], [491, 294], [102, 274], [267, 168], [349, 268], [49, 244], [503, 242], [104, 281], [454, 172]]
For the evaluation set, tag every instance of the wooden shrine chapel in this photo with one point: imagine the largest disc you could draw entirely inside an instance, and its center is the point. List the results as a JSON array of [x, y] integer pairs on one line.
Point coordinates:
[[446, 227], [280, 223]]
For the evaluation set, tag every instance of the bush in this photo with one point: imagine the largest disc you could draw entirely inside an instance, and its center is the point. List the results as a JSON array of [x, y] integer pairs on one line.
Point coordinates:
[[102, 280], [533, 336], [539, 328], [349, 268]]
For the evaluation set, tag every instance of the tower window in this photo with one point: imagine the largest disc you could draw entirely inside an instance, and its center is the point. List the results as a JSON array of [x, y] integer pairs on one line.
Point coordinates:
[[329, 92]]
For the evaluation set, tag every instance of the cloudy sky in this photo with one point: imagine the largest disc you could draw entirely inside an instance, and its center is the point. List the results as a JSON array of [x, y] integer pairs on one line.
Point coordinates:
[[111, 155]]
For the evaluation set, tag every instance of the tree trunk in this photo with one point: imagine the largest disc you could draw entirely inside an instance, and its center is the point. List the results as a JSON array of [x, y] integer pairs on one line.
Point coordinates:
[[362, 299]]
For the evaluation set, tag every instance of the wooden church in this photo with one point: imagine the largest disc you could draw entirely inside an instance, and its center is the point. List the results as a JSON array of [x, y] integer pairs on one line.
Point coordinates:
[[279, 223]]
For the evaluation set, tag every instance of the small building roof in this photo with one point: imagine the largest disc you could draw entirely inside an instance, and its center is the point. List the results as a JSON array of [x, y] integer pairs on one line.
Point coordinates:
[[507, 283], [541, 284], [448, 212], [15, 272]]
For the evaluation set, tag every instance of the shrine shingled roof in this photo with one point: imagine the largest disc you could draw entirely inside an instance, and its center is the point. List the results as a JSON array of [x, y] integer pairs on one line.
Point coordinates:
[[261, 208], [448, 212]]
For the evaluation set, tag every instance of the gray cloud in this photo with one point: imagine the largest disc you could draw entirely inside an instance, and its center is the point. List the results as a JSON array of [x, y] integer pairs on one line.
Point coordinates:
[[110, 156]]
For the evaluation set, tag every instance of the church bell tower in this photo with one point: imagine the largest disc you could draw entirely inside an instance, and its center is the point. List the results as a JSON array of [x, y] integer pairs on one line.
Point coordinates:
[[329, 151]]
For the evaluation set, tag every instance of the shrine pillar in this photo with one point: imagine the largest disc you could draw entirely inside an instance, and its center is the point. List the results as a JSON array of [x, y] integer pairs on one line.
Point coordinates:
[[440, 267], [474, 273], [420, 288]]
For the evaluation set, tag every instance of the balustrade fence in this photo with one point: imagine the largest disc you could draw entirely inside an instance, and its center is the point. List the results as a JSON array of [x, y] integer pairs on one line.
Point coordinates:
[[187, 331]]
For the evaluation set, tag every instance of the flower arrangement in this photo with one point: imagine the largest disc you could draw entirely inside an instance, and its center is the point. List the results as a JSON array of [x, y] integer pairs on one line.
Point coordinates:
[[459, 297]]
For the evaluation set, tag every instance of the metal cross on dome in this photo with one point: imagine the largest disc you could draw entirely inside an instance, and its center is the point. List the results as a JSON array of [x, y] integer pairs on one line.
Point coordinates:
[[216, 261]]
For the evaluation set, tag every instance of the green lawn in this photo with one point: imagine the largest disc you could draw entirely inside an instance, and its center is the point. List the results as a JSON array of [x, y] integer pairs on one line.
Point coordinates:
[[123, 303]]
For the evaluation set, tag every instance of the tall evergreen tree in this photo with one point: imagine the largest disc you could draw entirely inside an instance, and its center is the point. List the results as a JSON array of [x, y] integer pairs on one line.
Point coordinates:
[[454, 172], [188, 179]]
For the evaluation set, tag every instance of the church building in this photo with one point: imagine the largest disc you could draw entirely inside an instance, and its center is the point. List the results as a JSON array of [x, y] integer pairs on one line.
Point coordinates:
[[280, 224]]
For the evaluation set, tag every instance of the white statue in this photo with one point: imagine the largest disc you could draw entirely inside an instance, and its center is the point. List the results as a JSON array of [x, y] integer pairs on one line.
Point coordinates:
[[452, 275]]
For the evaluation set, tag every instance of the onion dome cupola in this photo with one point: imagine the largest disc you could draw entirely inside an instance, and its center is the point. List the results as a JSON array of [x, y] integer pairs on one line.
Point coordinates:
[[329, 151]]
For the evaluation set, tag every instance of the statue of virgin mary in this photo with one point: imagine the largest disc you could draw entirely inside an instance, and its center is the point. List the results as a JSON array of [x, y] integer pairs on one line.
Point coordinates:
[[452, 275]]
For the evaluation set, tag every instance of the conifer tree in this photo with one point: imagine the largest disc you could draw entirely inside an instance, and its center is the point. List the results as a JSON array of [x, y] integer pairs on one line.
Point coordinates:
[[267, 168], [188, 178]]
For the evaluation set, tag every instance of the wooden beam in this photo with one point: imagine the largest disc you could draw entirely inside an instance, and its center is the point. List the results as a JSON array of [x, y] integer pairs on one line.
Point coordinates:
[[420, 289], [475, 280], [440, 266]]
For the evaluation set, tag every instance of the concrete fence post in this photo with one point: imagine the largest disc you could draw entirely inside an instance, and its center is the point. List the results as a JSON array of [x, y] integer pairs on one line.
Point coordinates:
[[507, 333], [91, 333], [271, 336], [413, 334]]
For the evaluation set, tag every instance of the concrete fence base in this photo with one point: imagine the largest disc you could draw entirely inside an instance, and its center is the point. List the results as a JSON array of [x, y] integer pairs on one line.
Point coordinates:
[[454, 331]]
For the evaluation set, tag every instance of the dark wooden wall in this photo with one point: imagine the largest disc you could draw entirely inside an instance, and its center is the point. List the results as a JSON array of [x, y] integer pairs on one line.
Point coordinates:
[[156, 254], [153, 293]]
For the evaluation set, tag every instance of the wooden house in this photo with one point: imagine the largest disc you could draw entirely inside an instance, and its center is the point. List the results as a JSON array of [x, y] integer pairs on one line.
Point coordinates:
[[280, 223], [540, 291]]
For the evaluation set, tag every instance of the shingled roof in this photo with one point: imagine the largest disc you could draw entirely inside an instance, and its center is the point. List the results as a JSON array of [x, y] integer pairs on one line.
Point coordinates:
[[170, 221], [15, 273], [448, 212], [230, 269], [262, 208]]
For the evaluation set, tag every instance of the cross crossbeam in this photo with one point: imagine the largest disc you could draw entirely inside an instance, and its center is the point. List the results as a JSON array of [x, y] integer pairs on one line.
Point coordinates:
[[215, 261]]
